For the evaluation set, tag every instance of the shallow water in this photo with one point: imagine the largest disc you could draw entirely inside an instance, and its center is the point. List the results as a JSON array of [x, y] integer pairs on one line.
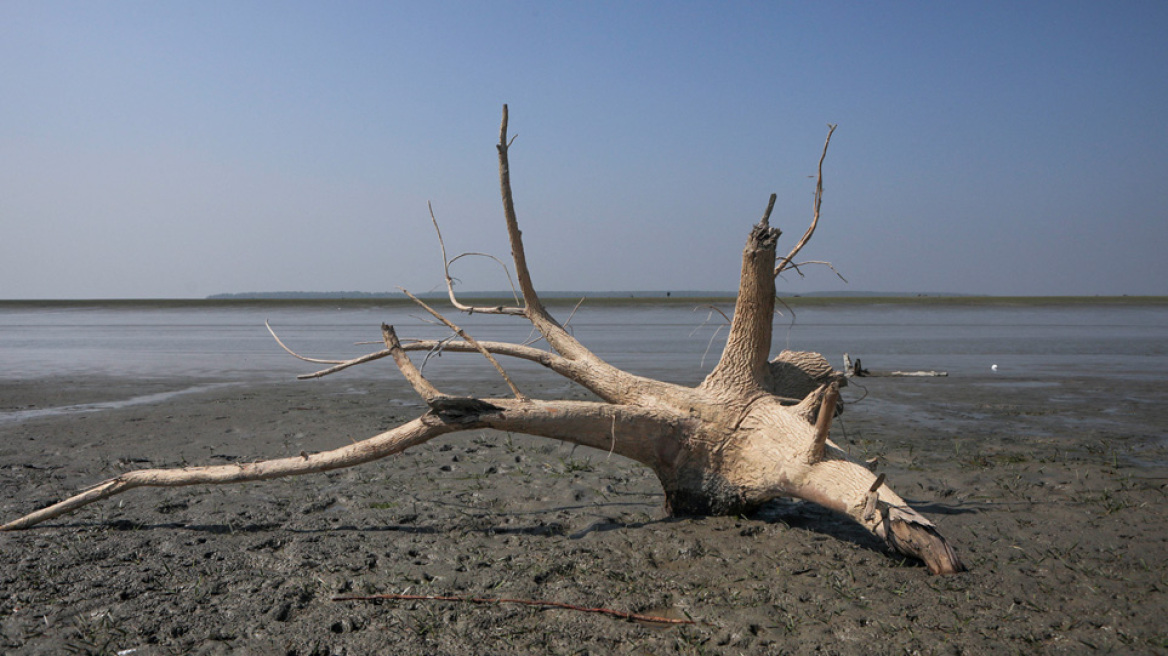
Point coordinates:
[[673, 342]]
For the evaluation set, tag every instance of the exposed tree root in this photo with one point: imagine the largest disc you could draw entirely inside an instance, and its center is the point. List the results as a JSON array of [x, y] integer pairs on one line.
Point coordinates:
[[753, 430]]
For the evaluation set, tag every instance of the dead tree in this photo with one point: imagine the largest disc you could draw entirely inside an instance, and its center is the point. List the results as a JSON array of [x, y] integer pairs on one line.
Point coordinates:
[[752, 431]]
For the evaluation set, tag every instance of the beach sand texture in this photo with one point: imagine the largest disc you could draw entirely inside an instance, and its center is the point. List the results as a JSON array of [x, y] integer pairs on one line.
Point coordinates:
[[1053, 493]]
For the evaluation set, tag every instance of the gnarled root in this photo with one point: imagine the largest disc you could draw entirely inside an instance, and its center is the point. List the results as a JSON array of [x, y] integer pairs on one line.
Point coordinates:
[[850, 489], [910, 537]]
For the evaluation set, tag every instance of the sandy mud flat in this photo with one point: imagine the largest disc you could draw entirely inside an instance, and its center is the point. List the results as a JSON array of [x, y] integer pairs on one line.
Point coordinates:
[[1054, 494]]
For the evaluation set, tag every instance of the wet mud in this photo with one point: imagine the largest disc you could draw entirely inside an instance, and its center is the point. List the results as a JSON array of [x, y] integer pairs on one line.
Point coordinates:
[[1053, 495]]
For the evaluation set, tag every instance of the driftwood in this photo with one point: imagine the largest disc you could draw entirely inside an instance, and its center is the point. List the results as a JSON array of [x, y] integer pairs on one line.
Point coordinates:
[[752, 431], [857, 370]]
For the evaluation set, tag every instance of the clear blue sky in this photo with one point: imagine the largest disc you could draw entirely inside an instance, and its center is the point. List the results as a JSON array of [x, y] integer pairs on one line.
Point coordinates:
[[179, 149]]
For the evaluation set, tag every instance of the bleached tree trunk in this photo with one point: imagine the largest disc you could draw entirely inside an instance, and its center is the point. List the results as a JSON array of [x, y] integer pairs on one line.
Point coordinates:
[[753, 430]]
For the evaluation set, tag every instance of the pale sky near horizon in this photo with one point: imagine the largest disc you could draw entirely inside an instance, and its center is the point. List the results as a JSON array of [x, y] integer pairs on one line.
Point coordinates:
[[181, 149]]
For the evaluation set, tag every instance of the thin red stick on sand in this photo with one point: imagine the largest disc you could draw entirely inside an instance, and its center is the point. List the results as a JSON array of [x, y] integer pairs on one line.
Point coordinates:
[[526, 602]]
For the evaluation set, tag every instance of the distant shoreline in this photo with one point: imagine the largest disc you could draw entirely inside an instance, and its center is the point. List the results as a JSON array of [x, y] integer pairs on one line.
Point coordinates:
[[608, 299]]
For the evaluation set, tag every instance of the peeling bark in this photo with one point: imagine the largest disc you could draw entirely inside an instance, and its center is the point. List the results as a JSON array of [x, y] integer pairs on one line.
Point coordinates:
[[752, 431]]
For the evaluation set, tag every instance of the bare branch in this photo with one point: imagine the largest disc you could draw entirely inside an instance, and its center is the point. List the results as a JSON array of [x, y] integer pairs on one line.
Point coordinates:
[[869, 512], [539, 356], [823, 421], [596, 374], [449, 408], [506, 272], [790, 309], [450, 281], [821, 262], [521, 351], [470, 340], [530, 298], [422, 386], [294, 353], [766, 215], [785, 263], [345, 365], [438, 348], [717, 330], [578, 422], [808, 408], [710, 345], [713, 309], [573, 312], [393, 441]]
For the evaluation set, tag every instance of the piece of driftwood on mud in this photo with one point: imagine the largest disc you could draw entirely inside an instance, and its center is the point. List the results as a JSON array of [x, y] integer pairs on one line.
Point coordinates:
[[753, 430], [857, 371]]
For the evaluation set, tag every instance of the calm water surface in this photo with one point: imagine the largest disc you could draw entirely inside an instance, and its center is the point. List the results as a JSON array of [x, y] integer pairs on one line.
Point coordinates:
[[674, 342]]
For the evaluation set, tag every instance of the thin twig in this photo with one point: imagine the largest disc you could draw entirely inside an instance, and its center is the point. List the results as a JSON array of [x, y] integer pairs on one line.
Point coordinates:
[[503, 265], [612, 444], [637, 617], [574, 308], [436, 351], [450, 281], [715, 309], [341, 366], [786, 262], [297, 355], [784, 304], [710, 343], [338, 365], [520, 351], [824, 263]]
